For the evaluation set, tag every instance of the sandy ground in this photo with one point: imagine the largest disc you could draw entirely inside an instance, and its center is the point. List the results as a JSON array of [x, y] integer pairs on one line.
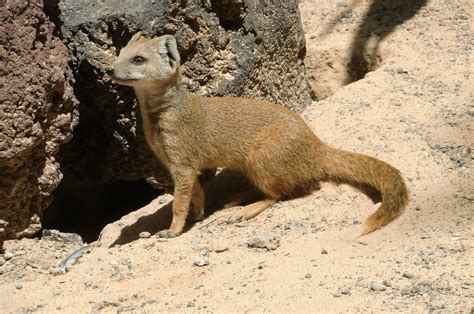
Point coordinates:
[[413, 110]]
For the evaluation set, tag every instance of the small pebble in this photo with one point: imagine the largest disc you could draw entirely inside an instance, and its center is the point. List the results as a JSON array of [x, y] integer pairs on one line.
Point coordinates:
[[19, 286], [2, 271], [191, 304], [203, 259], [400, 70], [377, 286], [2, 261], [221, 248], [308, 276], [323, 251], [469, 197], [438, 303], [8, 255], [425, 289], [387, 283], [346, 291], [144, 235], [269, 243], [408, 275]]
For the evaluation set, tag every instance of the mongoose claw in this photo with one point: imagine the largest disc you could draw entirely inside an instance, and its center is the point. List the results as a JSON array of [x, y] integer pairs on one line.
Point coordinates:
[[166, 234]]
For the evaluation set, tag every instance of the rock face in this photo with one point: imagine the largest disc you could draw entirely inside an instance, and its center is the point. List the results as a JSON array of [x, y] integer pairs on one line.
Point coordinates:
[[228, 48], [38, 112], [231, 47]]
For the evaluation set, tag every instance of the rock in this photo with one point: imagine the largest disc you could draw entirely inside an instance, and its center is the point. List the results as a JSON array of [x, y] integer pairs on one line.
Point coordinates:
[[424, 289], [346, 291], [203, 259], [18, 286], [437, 304], [129, 227], [38, 114], [241, 224], [387, 283], [407, 290], [219, 248], [401, 70], [407, 275], [377, 286], [2, 271], [144, 235], [454, 123], [268, 243], [443, 147], [308, 276], [8, 255], [323, 251], [469, 197], [2, 261], [63, 237]]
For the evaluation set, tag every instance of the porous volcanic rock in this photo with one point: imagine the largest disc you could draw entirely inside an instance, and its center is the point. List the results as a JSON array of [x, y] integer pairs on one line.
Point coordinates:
[[38, 112]]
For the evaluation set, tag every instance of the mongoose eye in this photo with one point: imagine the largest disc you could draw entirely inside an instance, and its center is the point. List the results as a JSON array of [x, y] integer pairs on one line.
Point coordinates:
[[138, 60]]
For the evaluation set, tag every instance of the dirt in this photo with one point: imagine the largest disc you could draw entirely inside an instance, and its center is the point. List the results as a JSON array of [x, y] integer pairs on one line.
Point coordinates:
[[413, 109]]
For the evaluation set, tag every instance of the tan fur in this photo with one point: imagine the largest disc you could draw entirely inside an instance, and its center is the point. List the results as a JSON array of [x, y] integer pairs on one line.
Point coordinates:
[[270, 144]]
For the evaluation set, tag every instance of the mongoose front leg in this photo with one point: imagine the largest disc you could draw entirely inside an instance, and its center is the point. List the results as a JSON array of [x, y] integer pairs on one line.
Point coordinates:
[[198, 201], [252, 210], [183, 190]]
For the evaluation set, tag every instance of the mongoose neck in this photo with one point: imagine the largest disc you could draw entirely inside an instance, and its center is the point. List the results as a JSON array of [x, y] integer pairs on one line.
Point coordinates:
[[157, 96]]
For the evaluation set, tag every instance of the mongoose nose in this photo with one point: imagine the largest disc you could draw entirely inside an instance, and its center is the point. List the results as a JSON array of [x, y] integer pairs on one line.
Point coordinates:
[[109, 71]]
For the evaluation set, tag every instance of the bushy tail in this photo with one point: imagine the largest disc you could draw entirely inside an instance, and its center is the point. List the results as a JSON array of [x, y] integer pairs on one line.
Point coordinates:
[[362, 170]]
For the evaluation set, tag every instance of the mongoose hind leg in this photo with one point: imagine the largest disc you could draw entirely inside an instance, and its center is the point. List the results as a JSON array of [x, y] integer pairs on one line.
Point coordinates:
[[241, 198], [198, 201], [252, 210], [185, 180]]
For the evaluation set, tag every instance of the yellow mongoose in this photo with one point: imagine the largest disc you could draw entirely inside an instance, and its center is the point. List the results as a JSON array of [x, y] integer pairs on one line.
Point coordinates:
[[269, 144]]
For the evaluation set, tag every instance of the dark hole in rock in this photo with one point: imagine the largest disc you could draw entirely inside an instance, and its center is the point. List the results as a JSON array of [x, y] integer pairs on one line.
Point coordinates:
[[51, 9], [85, 208], [230, 13]]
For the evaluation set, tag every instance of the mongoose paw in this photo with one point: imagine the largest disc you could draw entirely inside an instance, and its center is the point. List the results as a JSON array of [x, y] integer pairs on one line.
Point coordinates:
[[198, 217], [166, 234], [238, 216]]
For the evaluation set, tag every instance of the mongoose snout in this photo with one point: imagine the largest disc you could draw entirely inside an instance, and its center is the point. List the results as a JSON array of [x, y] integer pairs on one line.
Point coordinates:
[[269, 144]]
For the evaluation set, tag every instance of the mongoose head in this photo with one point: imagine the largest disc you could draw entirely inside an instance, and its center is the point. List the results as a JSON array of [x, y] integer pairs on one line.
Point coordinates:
[[146, 61]]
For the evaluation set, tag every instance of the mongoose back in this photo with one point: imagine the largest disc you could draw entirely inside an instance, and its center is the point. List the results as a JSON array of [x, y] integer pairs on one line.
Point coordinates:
[[269, 144]]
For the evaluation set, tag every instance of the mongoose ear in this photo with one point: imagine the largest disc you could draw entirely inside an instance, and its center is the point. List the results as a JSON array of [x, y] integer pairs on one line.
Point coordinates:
[[135, 38], [168, 49]]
